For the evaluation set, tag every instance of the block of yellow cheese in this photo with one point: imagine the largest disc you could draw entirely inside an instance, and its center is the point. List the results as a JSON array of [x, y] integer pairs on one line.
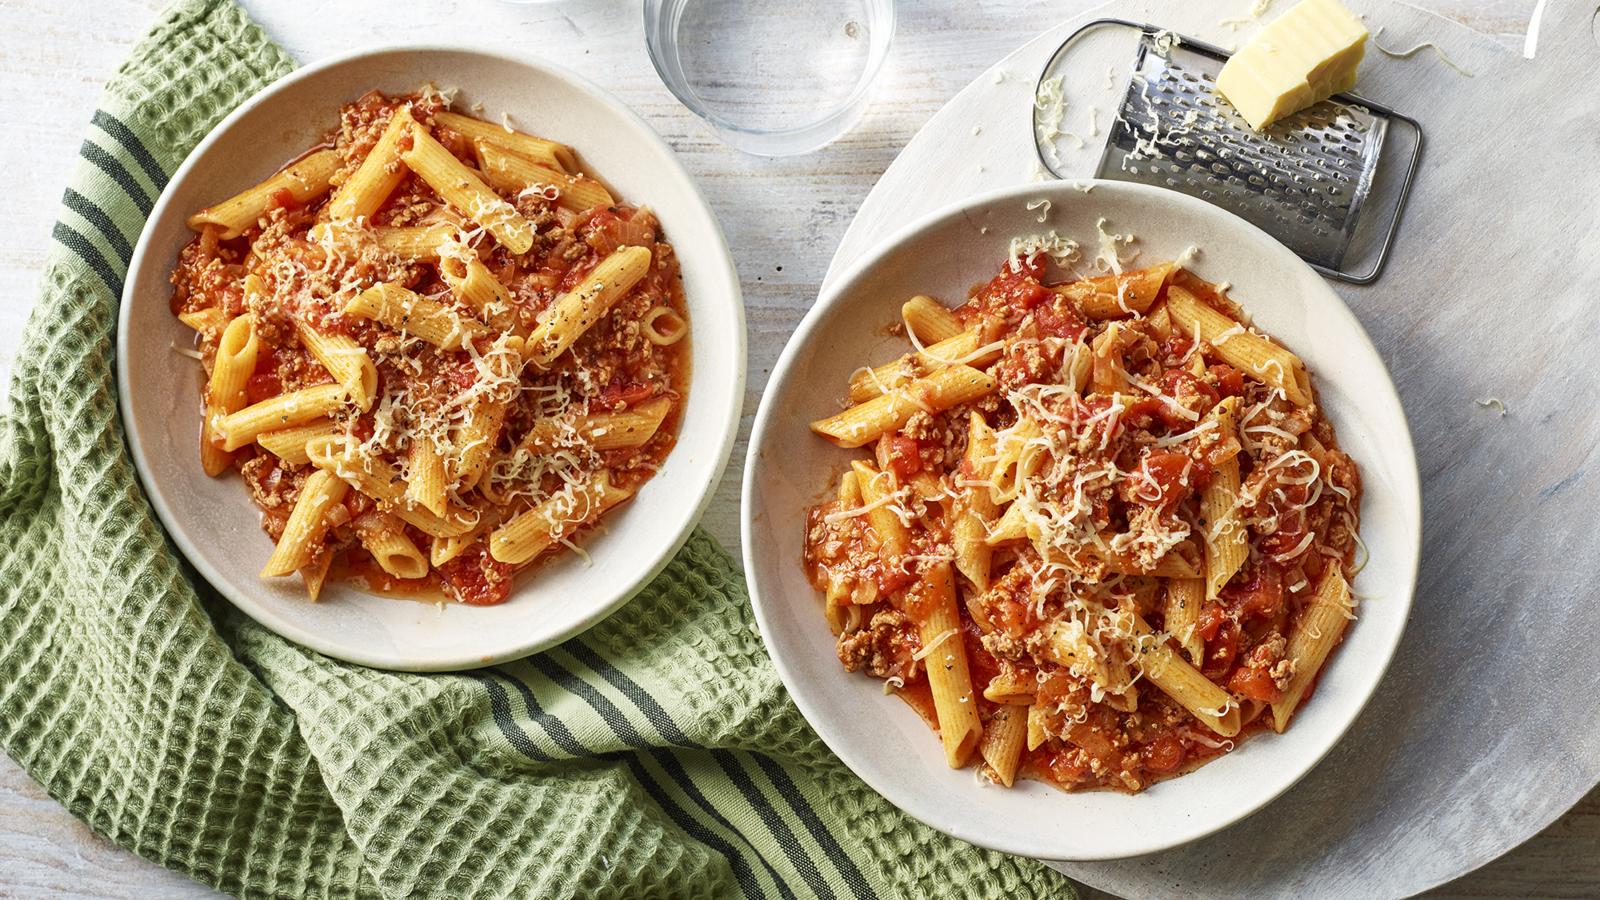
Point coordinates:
[[1302, 57]]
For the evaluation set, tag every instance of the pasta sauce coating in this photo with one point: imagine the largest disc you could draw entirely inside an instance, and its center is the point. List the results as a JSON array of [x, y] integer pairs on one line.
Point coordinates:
[[1150, 514], [417, 306]]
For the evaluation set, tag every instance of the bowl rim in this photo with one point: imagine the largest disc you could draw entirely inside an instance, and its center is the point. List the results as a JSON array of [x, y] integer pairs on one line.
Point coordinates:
[[915, 804], [239, 593]]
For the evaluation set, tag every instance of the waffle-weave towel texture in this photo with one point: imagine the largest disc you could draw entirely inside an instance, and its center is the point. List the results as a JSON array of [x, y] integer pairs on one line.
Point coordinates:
[[657, 755]]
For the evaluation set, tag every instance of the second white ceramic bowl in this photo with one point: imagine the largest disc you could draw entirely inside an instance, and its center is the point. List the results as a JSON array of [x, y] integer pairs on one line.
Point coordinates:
[[789, 468]]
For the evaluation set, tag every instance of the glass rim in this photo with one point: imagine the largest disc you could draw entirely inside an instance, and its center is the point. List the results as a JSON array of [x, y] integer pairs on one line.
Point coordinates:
[[658, 14]]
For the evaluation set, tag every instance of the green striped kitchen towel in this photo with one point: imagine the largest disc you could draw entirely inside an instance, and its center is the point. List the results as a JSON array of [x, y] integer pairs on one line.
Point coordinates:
[[658, 755]]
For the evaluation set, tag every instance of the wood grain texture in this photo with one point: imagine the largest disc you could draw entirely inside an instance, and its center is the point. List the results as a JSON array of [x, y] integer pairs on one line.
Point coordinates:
[[783, 218]]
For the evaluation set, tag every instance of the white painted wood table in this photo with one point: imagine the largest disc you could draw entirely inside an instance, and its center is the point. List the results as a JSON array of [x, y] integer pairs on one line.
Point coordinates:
[[783, 219]]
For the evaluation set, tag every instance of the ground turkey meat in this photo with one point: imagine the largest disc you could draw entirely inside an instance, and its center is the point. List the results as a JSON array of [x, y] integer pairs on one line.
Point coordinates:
[[885, 648]]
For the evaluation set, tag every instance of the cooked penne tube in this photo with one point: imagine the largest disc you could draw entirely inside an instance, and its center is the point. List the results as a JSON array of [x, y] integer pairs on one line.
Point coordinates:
[[1182, 611], [1168, 671], [1012, 688], [345, 360], [209, 319], [307, 523], [1227, 541], [1118, 296], [549, 153], [300, 182], [1067, 643], [1002, 742], [465, 191], [579, 309], [384, 536], [410, 243], [975, 508], [840, 590], [380, 481], [893, 538], [225, 392], [315, 573], [866, 422], [475, 441], [365, 191], [1239, 347], [275, 413], [1176, 563], [536, 530], [514, 173], [663, 326], [1012, 526], [1037, 734], [949, 679], [476, 287], [963, 349], [425, 477], [404, 311], [1320, 628], [929, 320], [633, 427], [289, 444]]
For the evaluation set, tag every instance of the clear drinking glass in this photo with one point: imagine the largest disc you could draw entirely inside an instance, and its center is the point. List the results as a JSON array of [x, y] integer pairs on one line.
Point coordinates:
[[773, 77]]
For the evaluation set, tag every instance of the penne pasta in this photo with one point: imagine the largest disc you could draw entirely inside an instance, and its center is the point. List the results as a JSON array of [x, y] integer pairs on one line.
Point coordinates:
[[276, 413], [1319, 629], [406, 312], [1184, 598], [949, 679], [548, 153], [306, 526], [1242, 349], [663, 326], [975, 508], [225, 391], [380, 481], [538, 529], [1167, 670], [465, 191], [892, 536], [476, 287], [1010, 687], [579, 309], [929, 320], [515, 173], [1084, 473], [633, 427], [384, 536], [365, 191], [1002, 742], [425, 479], [211, 318], [289, 444], [345, 360], [866, 422], [397, 255], [299, 183], [962, 349], [1227, 542], [1118, 296]]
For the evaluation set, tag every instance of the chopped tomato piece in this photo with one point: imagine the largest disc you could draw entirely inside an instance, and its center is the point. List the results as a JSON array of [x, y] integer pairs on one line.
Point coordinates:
[[1228, 380], [1163, 755], [1261, 596], [905, 455], [1253, 684]]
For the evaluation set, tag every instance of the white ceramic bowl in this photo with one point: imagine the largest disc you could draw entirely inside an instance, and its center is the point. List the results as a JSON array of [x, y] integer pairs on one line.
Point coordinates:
[[212, 520], [789, 468]]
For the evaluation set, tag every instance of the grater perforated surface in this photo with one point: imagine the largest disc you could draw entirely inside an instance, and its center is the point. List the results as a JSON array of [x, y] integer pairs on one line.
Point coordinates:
[[1304, 180], [1312, 180]]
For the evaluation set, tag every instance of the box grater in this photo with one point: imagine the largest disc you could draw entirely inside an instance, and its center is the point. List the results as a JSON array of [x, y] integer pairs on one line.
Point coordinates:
[[1329, 182]]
